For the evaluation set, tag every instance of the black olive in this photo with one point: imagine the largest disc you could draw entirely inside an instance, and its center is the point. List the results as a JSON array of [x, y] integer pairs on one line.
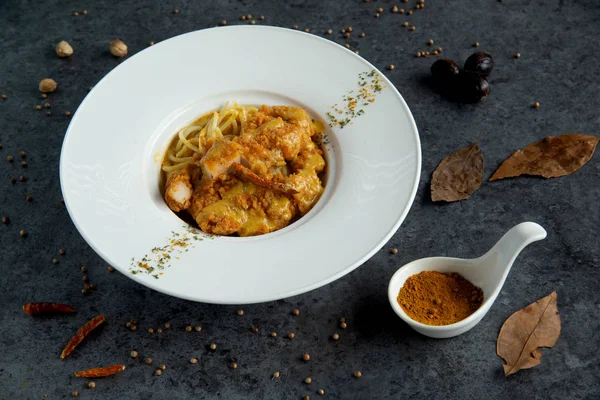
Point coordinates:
[[472, 87], [444, 73], [480, 62]]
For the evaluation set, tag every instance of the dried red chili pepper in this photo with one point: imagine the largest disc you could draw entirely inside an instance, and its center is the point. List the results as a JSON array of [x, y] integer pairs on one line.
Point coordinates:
[[100, 372], [82, 332], [47, 308]]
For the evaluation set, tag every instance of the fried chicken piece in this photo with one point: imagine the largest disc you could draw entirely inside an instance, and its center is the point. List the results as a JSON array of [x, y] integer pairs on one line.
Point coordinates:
[[178, 190], [219, 157], [244, 173]]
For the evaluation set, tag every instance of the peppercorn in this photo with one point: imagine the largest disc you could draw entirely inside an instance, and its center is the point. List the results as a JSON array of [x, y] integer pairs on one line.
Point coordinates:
[[29, 197], [536, 105], [306, 357], [10, 158], [85, 278], [111, 268], [23, 233], [13, 180], [83, 268], [255, 330]]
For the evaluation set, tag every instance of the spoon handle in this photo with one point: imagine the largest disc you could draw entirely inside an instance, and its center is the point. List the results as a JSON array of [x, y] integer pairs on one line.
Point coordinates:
[[501, 257]]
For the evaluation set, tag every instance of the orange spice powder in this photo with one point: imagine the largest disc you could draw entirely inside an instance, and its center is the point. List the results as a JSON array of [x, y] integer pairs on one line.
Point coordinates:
[[436, 298]]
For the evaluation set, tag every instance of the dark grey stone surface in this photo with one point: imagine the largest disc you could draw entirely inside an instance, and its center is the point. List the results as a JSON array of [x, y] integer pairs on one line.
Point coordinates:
[[558, 67]]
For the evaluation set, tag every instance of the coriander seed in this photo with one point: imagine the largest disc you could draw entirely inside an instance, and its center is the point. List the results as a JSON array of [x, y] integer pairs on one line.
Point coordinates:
[[13, 180], [380, 10], [536, 105], [148, 360], [93, 287], [10, 158], [254, 330], [308, 380], [54, 261], [188, 328], [335, 336], [409, 12], [62, 252], [23, 233], [517, 55], [405, 24], [343, 325], [253, 22], [38, 107], [276, 374], [47, 85], [476, 44], [395, 250], [212, 346], [262, 17], [430, 42], [347, 35], [75, 13], [197, 328], [243, 17], [158, 372], [233, 365], [418, 54], [294, 26], [5, 220], [347, 45], [306, 357], [176, 11], [395, 9], [249, 16], [84, 291], [306, 30], [391, 67], [133, 354], [223, 22], [295, 311], [412, 28], [273, 334], [84, 269], [91, 385], [167, 325], [68, 113], [240, 312], [84, 12], [29, 197], [23, 164], [159, 330], [163, 367], [291, 335], [85, 278], [357, 374], [63, 49], [193, 360], [376, 15], [118, 48], [151, 43], [150, 330], [321, 391], [329, 31], [111, 268], [362, 34], [75, 394]]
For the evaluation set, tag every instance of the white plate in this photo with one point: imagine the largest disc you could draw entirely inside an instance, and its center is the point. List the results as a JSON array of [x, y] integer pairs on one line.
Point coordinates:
[[110, 158]]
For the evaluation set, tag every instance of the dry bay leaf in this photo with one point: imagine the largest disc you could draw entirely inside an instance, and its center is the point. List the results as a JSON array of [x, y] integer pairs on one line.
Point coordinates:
[[458, 175], [551, 157], [524, 332]]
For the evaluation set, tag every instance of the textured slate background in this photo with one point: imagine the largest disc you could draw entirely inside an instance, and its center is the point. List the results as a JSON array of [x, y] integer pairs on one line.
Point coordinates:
[[558, 68]]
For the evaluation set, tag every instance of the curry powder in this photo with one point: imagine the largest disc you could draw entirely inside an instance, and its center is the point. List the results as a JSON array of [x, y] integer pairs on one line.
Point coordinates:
[[436, 298]]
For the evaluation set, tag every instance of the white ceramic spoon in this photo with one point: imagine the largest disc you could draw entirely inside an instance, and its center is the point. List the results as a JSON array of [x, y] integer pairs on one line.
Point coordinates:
[[488, 272]]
